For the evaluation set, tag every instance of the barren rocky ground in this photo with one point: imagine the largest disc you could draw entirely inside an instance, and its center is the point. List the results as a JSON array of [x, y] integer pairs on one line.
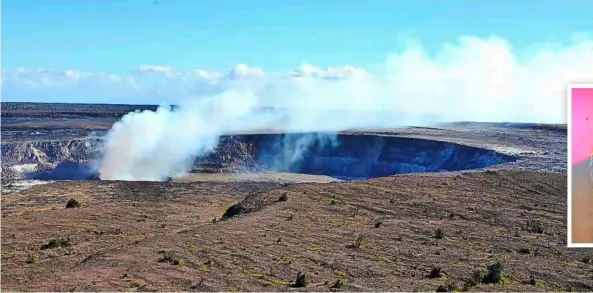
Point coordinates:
[[397, 233], [122, 229]]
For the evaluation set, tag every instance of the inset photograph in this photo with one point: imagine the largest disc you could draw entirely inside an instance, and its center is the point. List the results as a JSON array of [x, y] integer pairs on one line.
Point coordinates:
[[580, 175]]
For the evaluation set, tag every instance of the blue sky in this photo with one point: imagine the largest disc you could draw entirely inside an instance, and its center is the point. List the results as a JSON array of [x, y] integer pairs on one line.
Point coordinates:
[[139, 51], [119, 35]]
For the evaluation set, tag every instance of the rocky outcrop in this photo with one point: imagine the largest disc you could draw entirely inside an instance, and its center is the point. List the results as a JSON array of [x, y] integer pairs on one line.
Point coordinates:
[[233, 154], [19, 158]]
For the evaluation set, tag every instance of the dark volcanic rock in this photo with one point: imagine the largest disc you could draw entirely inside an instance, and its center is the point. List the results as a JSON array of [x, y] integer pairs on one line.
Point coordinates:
[[65, 171], [46, 155]]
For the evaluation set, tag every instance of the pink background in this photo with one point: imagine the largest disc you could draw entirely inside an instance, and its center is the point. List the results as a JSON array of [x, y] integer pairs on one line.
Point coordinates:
[[582, 129]]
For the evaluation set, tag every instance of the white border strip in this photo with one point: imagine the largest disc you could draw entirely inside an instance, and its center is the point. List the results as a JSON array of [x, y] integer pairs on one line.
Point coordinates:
[[569, 167]]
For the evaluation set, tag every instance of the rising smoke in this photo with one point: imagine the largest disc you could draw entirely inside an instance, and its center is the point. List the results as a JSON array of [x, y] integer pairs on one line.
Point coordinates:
[[473, 80]]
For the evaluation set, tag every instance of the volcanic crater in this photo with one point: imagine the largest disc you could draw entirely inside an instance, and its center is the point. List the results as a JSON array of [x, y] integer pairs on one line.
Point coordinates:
[[339, 156], [258, 235]]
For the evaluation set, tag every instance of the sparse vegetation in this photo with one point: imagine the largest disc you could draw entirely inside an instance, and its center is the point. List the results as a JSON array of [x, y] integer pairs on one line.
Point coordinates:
[[535, 226], [392, 258], [536, 282], [172, 259], [193, 248], [338, 285], [57, 243], [72, 203], [378, 224], [302, 281], [254, 275], [435, 272], [439, 233], [357, 244], [32, 259], [495, 274], [280, 282], [448, 285], [133, 282], [475, 279]]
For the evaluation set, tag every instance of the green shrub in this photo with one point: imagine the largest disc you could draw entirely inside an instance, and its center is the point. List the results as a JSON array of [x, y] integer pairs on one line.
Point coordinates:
[[439, 233], [32, 259], [302, 280], [56, 243], [447, 286], [536, 282], [171, 259], [378, 224], [494, 275], [435, 272], [72, 203], [475, 280], [357, 243], [338, 285], [535, 226]]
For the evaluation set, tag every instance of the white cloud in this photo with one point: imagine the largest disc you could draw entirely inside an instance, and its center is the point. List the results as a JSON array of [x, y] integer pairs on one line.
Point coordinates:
[[242, 71], [153, 68], [481, 79], [344, 72]]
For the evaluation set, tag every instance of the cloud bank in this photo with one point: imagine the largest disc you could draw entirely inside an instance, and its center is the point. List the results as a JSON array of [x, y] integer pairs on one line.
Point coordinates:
[[480, 79], [473, 79]]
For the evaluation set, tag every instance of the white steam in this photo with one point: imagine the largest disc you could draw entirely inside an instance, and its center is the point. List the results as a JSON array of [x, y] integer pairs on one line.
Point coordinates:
[[473, 80]]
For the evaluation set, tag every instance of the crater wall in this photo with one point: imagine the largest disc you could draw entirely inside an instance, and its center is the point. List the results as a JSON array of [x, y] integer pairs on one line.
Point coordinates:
[[347, 157]]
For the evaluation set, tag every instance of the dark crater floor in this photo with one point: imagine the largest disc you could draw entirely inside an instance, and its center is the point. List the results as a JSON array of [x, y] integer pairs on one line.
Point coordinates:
[[369, 156], [346, 157], [65, 171]]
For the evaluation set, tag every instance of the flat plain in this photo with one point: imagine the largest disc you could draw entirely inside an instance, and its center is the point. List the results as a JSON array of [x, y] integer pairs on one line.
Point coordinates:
[[403, 232]]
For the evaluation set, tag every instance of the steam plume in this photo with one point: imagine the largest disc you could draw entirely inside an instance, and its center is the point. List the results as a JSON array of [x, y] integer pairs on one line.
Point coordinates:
[[473, 80]]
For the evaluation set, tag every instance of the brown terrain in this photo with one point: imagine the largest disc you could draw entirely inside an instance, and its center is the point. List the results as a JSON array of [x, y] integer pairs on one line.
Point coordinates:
[[501, 228], [122, 230]]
